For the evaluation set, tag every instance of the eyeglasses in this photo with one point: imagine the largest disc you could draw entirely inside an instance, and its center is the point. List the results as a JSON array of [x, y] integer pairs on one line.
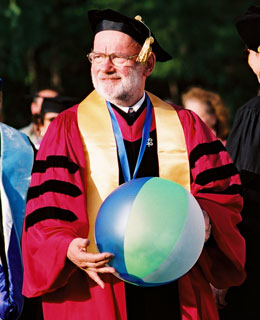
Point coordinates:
[[118, 59]]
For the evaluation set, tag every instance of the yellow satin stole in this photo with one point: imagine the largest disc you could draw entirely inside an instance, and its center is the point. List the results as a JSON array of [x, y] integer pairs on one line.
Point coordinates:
[[100, 149]]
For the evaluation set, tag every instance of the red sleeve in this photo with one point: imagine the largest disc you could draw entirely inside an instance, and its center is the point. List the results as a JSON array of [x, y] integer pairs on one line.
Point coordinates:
[[216, 185], [57, 178]]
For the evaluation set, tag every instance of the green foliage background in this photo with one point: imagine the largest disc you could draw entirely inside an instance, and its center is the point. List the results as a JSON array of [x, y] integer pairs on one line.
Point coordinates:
[[44, 44]]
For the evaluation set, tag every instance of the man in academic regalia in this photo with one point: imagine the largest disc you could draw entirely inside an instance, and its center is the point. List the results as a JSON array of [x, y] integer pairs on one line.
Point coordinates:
[[80, 162], [243, 145]]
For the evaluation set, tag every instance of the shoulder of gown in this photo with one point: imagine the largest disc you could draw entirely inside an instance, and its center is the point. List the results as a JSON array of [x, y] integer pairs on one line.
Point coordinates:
[[244, 138]]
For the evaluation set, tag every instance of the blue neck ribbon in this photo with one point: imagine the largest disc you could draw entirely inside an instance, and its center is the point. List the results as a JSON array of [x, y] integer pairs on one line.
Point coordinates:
[[120, 142]]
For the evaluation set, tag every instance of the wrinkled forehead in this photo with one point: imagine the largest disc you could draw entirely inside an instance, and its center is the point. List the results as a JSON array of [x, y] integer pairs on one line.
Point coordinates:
[[114, 41]]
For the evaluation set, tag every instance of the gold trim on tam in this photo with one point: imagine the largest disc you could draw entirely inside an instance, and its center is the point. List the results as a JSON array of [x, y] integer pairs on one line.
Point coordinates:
[[102, 175]]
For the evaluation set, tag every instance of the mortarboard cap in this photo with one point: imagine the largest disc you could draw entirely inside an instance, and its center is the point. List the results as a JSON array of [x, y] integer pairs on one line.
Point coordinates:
[[57, 104], [1, 83], [248, 27], [108, 19]]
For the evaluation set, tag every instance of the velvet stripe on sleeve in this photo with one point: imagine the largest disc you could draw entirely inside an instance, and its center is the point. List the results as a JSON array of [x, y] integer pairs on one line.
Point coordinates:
[[56, 214]]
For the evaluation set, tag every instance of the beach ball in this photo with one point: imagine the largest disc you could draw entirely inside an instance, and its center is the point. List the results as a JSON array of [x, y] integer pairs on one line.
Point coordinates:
[[154, 227]]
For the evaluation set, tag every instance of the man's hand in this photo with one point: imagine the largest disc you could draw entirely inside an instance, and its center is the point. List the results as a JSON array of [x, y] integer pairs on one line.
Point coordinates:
[[207, 225], [91, 263]]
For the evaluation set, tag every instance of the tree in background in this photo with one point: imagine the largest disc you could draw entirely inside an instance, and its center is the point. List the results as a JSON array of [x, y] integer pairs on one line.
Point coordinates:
[[44, 43]]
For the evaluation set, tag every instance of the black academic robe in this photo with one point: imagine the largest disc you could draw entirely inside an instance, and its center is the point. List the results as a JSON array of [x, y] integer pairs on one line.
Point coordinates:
[[243, 144]]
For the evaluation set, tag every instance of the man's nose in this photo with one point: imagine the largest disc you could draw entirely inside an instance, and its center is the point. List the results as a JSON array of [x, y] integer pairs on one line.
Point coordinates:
[[107, 65]]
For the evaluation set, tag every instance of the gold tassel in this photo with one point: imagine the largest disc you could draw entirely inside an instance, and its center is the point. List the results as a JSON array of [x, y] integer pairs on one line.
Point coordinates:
[[145, 51], [146, 48], [258, 49]]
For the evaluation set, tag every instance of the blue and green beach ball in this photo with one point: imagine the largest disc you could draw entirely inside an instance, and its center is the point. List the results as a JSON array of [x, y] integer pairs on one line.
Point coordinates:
[[155, 229]]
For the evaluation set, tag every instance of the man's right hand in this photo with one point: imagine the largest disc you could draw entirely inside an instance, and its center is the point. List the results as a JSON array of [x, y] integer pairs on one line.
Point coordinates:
[[91, 263]]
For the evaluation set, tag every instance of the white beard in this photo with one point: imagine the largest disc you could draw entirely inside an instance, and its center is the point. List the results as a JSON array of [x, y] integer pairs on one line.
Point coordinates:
[[122, 93]]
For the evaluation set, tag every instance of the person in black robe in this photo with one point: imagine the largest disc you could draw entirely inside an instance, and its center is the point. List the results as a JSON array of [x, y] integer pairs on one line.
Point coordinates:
[[243, 144]]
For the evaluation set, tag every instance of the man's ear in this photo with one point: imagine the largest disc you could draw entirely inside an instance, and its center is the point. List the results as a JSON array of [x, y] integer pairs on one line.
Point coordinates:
[[150, 64]]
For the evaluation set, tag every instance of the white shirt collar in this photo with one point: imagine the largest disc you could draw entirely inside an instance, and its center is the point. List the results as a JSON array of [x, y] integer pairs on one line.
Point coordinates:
[[136, 106]]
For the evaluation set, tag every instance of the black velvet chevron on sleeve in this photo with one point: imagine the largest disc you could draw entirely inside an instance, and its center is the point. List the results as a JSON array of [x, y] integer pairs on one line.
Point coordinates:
[[221, 172], [46, 213], [55, 186], [205, 149], [41, 166]]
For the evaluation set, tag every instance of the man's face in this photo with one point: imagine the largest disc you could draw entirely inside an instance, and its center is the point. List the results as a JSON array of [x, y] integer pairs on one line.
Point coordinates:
[[37, 102], [122, 85], [47, 119], [203, 111], [254, 62]]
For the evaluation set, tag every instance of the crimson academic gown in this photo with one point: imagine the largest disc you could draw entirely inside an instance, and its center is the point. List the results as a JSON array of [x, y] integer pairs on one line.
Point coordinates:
[[56, 214]]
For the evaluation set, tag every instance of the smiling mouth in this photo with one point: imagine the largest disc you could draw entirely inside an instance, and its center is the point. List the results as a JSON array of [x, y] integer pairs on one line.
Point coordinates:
[[110, 79]]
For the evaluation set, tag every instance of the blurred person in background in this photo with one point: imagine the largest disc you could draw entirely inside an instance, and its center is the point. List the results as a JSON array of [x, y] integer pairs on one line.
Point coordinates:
[[32, 130], [50, 109], [243, 144], [210, 108]]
